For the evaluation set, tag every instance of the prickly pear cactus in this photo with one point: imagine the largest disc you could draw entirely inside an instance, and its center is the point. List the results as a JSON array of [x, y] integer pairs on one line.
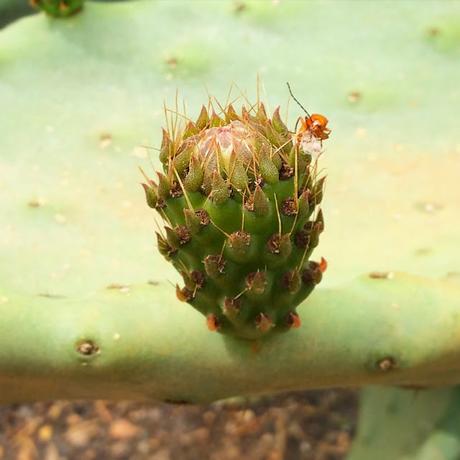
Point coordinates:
[[240, 195], [87, 311]]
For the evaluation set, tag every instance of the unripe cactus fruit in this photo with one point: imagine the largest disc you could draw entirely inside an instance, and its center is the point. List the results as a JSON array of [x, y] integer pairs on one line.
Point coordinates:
[[240, 197]]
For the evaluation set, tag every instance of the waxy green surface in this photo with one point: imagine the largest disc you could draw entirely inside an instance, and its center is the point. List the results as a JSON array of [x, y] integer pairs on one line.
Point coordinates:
[[82, 98]]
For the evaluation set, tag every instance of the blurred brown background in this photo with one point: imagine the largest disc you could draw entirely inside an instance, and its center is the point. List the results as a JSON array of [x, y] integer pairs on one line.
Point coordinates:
[[310, 425]]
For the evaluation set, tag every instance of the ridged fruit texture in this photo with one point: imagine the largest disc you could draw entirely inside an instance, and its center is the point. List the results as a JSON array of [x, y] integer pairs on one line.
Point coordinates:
[[240, 194]]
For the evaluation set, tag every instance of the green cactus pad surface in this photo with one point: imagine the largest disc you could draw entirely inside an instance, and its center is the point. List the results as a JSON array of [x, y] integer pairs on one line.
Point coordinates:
[[135, 343], [240, 196], [82, 104]]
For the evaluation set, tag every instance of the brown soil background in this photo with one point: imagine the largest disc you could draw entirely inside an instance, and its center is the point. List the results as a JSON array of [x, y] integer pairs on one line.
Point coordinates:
[[309, 426]]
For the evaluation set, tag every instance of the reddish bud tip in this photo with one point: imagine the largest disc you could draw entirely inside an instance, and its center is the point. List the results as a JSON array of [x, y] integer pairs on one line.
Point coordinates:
[[323, 265], [293, 320], [212, 322]]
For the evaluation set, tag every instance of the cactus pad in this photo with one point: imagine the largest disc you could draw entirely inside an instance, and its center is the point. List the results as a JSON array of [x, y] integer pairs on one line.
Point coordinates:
[[240, 195]]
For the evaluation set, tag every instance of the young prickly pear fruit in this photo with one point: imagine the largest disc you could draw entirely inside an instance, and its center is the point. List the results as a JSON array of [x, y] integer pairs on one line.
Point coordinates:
[[240, 197]]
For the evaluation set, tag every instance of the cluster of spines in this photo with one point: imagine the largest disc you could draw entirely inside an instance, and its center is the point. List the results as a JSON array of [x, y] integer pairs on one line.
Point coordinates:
[[240, 236]]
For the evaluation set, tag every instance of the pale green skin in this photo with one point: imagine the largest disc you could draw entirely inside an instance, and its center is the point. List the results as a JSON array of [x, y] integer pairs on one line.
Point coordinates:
[[63, 83]]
